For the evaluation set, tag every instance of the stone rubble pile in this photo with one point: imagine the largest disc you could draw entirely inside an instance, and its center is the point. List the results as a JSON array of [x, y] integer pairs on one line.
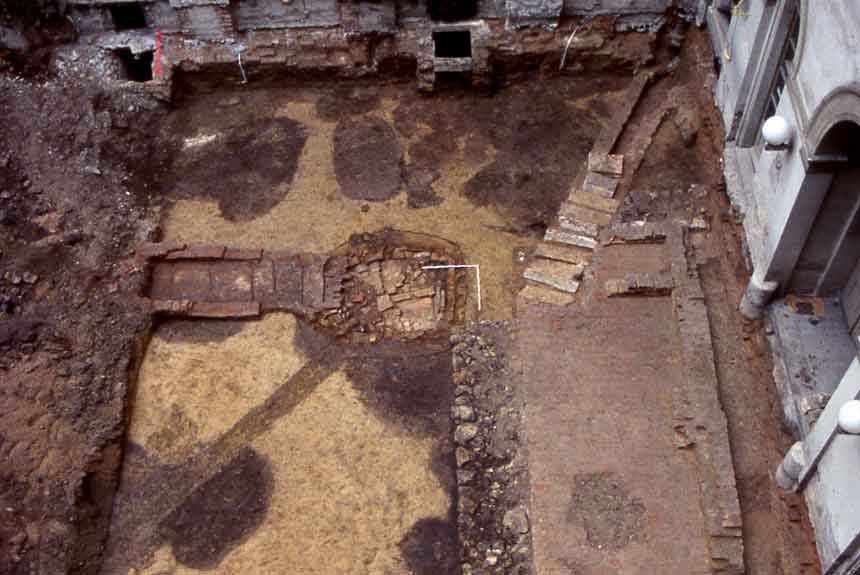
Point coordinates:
[[492, 475]]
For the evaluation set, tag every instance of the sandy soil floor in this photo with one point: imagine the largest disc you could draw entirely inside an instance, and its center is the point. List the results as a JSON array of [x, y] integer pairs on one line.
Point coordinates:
[[471, 182]]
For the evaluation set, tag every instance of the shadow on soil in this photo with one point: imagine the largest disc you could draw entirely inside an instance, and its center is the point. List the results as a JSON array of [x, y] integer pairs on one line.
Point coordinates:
[[221, 513]]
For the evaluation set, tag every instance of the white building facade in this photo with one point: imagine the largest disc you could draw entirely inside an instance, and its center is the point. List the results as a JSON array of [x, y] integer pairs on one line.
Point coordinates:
[[800, 59]]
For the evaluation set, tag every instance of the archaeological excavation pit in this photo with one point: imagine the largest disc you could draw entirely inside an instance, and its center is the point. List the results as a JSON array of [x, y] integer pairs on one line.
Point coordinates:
[[292, 411], [373, 266]]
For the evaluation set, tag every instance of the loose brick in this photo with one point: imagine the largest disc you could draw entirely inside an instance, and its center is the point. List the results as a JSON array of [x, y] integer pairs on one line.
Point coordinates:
[[593, 201], [198, 253], [565, 253], [559, 275], [151, 250], [584, 214], [190, 280], [570, 238], [162, 282], [225, 309], [582, 228], [171, 307], [231, 281], [263, 278], [242, 254], [600, 184], [609, 164]]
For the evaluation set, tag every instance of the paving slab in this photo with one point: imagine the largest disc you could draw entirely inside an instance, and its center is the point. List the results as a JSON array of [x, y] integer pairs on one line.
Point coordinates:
[[585, 214], [563, 276], [565, 253], [570, 238], [611, 493], [601, 184], [593, 201], [628, 449], [609, 164]]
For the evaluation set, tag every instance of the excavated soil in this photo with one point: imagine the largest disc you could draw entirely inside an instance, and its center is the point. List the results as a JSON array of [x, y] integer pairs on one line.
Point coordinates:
[[248, 173]]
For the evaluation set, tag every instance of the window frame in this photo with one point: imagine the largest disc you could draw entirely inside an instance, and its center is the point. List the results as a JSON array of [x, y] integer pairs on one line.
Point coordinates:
[[775, 72]]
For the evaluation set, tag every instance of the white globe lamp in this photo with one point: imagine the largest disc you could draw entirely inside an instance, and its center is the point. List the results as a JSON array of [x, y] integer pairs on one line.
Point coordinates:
[[849, 417], [776, 132]]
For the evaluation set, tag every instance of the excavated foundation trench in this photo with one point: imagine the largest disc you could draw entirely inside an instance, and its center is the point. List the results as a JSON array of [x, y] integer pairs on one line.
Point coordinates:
[[315, 436]]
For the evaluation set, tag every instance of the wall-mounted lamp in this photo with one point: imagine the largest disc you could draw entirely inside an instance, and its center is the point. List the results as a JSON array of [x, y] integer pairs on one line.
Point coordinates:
[[777, 133], [849, 417]]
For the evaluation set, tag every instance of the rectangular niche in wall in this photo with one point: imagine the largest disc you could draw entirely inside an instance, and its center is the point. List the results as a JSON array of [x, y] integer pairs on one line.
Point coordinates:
[[128, 16], [135, 67], [452, 44]]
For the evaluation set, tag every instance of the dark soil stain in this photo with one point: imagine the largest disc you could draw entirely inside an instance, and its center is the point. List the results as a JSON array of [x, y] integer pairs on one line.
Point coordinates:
[[430, 547], [346, 101], [198, 330], [415, 391], [539, 142], [611, 517], [310, 340], [419, 187], [367, 159], [18, 330], [248, 173], [535, 163], [179, 427], [221, 512]]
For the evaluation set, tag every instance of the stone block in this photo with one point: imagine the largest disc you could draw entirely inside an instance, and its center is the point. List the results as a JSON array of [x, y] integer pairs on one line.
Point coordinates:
[[422, 292], [609, 164], [288, 282], [584, 214], [231, 281], [150, 250], [171, 307], [418, 313], [197, 253], [524, 11], [393, 274], [636, 233], [384, 302], [640, 284], [243, 254], [569, 238], [575, 226], [563, 276], [593, 202], [225, 309], [540, 294], [263, 278], [600, 184], [162, 282], [191, 280], [565, 253], [313, 285]]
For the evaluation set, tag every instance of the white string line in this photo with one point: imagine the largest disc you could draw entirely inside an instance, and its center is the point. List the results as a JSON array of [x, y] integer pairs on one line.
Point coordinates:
[[476, 267], [241, 68], [567, 46]]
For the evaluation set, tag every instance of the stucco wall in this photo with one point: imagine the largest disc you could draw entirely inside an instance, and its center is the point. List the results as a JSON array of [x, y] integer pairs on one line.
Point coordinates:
[[786, 199], [831, 493], [829, 56], [823, 63]]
